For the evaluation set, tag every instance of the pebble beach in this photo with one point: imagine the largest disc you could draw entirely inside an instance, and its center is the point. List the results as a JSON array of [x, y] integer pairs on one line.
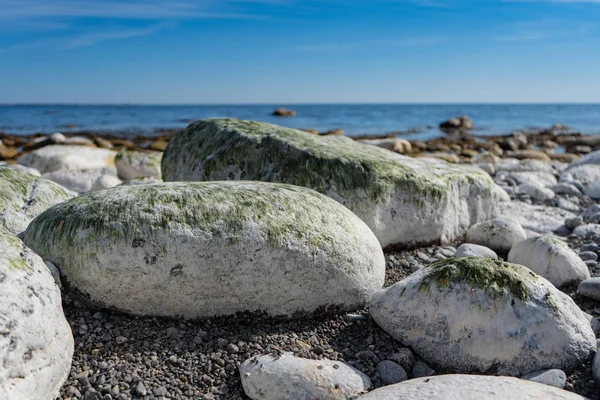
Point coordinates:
[[402, 260]]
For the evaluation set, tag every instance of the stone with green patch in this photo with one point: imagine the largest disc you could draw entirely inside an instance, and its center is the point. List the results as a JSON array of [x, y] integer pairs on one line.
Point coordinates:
[[550, 258], [480, 315], [36, 344], [200, 249], [403, 200], [24, 196], [135, 164]]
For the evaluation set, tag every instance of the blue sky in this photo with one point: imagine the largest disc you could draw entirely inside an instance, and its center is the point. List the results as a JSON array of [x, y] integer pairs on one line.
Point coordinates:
[[297, 51]]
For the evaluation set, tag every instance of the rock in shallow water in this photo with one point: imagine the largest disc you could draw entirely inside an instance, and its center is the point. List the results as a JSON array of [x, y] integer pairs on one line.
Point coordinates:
[[469, 387], [403, 200], [287, 377], [36, 344], [24, 196], [550, 258], [482, 315], [212, 248]]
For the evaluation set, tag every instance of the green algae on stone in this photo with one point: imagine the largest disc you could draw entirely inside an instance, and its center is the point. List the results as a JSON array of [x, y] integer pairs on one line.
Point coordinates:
[[11, 249], [494, 277], [220, 209], [265, 152]]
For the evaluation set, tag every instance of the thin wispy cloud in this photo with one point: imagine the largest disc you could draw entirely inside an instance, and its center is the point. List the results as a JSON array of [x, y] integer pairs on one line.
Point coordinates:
[[542, 30], [409, 42]]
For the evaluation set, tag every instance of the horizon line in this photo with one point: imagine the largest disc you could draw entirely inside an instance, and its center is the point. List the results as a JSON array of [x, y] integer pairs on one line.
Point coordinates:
[[93, 104]]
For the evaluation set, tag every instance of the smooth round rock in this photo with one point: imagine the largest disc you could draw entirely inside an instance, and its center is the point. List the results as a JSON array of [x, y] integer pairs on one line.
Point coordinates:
[[36, 343], [391, 372], [550, 258], [593, 190], [23, 197], [498, 234], [478, 315], [475, 250], [404, 200], [590, 288], [286, 377], [420, 370], [536, 192], [469, 387], [86, 180], [588, 256], [551, 377], [213, 248], [54, 158], [135, 164], [574, 222], [587, 229]]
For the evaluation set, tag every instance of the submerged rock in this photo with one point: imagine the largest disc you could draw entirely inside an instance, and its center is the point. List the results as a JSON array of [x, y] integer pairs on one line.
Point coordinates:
[[403, 200], [211, 248], [23, 197], [469, 387], [478, 315], [36, 344], [550, 258], [287, 377]]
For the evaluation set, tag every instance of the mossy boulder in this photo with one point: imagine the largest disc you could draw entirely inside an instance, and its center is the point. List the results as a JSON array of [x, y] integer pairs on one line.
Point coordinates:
[[403, 200], [201, 249], [479, 315], [36, 344], [134, 164], [23, 197]]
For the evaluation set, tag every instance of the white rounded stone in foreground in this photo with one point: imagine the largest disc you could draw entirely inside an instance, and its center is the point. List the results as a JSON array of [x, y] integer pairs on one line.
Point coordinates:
[[204, 249], [469, 387], [36, 344], [23, 197], [285, 377], [475, 250], [57, 157], [498, 234], [478, 315], [550, 258]]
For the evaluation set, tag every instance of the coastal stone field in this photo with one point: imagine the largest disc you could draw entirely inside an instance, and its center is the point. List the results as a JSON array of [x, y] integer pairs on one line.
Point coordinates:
[[243, 260]]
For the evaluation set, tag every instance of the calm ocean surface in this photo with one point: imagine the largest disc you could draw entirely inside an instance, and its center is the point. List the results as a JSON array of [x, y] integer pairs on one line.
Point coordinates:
[[355, 119]]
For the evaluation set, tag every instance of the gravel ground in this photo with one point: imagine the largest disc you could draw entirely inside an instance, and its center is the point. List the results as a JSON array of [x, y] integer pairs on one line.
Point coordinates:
[[122, 357]]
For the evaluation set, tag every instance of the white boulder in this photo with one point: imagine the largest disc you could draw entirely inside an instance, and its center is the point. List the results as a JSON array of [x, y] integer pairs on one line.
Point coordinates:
[[469, 387], [478, 315], [586, 173], [498, 234], [593, 190], [550, 258], [36, 344], [86, 180], [57, 157], [592, 158], [23, 197], [538, 218], [134, 164], [211, 248], [285, 377], [475, 250], [536, 192], [403, 200]]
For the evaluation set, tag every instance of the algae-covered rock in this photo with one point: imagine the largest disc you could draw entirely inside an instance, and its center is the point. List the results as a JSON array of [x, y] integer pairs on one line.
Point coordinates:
[[479, 315], [211, 248], [23, 197], [134, 164], [550, 258], [36, 344], [402, 199]]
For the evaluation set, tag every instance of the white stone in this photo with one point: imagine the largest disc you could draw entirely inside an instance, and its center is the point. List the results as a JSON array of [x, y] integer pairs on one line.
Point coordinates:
[[57, 157], [593, 190], [498, 234], [203, 249], [469, 387], [287, 377], [403, 200], [584, 230], [552, 377], [592, 158], [36, 344], [134, 164], [585, 174], [105, 182], [537, 178], [509, 164], [536, 192], [590, 288], [23, 197], [550, 258], [487, 167], [538, 218], [85, 180], [565, 188], [478, 315], [475, 250]]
